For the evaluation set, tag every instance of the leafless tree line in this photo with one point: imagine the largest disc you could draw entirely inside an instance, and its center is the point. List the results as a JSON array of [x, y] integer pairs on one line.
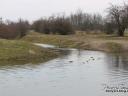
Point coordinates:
[[68, 24], [115, 22], [10, 30], [85, 22], [53, 25]]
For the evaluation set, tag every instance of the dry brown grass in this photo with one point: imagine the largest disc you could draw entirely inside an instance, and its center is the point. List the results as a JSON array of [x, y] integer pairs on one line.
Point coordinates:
[[93, 41]]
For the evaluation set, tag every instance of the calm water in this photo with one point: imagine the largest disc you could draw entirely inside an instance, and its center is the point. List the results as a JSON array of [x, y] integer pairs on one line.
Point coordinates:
[[80, 73]]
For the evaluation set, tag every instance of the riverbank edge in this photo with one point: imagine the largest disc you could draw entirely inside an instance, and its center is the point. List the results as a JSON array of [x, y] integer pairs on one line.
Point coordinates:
[[106, 44], [16, 51]]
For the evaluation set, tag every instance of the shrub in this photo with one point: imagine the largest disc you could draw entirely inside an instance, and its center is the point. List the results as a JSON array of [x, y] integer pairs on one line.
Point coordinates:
[[53, 25], [12, 30]]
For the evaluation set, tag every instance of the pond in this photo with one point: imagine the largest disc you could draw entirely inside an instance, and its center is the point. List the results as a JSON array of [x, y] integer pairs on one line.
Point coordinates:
[[80, 73]]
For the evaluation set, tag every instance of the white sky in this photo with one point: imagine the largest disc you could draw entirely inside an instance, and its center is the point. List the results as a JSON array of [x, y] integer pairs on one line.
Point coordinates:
[[34, 9]]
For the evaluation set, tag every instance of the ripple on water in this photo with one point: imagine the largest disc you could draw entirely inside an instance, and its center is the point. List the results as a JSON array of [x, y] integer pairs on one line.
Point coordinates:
[[79, 73]]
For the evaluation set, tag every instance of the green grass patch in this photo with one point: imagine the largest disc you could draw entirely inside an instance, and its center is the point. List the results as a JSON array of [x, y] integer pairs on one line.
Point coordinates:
[[14, 50]]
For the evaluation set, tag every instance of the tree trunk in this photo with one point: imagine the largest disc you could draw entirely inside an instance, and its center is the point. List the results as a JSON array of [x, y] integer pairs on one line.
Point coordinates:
[[121, 32]]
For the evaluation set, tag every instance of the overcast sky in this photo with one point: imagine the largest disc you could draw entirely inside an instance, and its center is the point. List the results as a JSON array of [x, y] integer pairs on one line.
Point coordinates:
[[33, 9]]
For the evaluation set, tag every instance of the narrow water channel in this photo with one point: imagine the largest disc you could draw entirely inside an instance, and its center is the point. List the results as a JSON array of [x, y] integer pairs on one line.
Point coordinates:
[[80, 73]]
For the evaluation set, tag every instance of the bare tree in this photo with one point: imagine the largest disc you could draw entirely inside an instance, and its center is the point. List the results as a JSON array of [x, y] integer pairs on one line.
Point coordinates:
[[53, 25], [85, 21], [120, 15]]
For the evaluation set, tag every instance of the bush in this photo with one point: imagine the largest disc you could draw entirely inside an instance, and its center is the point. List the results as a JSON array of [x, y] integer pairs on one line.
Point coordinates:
[[12, 30], [53, 25]]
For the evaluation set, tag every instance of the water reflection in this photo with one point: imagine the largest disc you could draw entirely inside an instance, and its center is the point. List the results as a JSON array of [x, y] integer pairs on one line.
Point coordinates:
[[118, 61], [80, 73], [8, 64]]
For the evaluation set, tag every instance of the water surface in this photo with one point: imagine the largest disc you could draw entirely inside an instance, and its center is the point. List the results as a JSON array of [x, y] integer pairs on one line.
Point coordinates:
[[80, 73]]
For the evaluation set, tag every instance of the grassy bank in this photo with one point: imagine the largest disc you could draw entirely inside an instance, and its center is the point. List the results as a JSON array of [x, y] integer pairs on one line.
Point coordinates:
[[15, 50], [58, 40], [100, 42]]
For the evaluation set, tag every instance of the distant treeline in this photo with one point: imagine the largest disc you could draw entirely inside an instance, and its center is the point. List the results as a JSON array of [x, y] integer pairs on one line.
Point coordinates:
[[115, 21], [10, 30], [53, 25], [68, 24]]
